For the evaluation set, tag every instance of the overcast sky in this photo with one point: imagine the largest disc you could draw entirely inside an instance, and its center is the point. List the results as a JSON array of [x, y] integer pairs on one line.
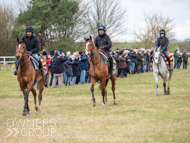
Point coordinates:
[[177, 9]]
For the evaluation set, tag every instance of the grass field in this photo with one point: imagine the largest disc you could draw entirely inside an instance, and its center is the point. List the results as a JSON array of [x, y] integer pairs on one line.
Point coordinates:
[[68, 116]]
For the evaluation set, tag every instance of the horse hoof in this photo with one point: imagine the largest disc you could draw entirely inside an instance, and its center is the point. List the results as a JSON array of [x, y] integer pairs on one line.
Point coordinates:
[[39, 110], [168, 93], [106, 104], [36, 107], [94, 104], [114, 102], [165, 94]]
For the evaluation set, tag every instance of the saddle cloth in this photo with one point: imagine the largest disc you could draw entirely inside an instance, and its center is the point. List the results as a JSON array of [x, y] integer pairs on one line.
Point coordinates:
[[166, 61], [105, 57], [36, 64]]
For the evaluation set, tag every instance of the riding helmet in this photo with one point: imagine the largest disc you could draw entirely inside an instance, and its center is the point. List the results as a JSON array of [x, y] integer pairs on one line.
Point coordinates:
[[102, 27], [30, 29], [162, 31]]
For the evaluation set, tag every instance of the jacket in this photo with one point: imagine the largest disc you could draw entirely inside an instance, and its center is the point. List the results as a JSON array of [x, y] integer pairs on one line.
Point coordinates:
[[176, 56], [185, 57], [32, 44], [57, 64], [133, 57], [103, 41], [75, 68], [68, 67], [83, 65], [122, 62], [163, 42], [139, 59]]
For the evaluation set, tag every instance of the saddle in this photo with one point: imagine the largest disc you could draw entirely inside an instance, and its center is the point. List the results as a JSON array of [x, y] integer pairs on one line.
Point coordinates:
[[106, 60], [166, 61], [36, 63]]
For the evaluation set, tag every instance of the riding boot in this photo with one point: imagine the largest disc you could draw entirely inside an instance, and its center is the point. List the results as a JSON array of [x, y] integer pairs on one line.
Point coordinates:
[[15, 72], [41, 68]]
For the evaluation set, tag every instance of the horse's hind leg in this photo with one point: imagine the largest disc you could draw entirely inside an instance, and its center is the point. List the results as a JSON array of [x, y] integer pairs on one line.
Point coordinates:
[[93, 81], [41, 88], [104, 93], [169, 79], [34, 94], [113, 79], [164, 84]]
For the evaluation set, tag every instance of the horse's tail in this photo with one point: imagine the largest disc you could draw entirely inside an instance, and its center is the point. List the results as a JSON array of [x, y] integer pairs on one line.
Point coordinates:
[[100, 87]]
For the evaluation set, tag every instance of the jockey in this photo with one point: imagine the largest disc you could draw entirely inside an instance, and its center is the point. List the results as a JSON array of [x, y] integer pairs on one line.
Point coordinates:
[[32, 46], [163, 42], [103, 42]]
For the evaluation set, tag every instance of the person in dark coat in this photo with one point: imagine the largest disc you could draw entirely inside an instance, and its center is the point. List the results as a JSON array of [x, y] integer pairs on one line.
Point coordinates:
[[75, 69], [117, 59], [133, 61], [185, 59], [32, 46], [148, 61], [68, 70], [57, 68], [139, 60], [163, 42], [103, 42], [122, 63], [83, 66]]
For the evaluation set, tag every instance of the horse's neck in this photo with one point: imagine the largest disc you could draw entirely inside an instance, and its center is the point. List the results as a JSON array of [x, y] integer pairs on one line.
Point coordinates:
[[96, 57], [25, 58]]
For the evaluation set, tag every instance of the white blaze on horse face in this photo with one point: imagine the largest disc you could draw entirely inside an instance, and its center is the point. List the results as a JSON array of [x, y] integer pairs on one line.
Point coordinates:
[[87, 48], [19, 46]]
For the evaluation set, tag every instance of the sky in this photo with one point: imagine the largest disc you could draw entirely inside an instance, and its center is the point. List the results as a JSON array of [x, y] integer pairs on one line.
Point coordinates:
[[177, 9]]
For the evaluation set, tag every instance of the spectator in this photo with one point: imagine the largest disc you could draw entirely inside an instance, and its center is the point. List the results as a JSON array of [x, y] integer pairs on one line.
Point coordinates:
[[139, 61], [133, 61], [58, 69], [75, 69], [49, 66], [185, 59], [176, 58], [47, 59], [148, 61], [179, 61], [122, 63], [83, 66], [144, 61], [68, 71]]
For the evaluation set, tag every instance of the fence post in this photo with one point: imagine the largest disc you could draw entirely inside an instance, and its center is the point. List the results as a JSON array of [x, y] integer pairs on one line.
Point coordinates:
[[4, 60]]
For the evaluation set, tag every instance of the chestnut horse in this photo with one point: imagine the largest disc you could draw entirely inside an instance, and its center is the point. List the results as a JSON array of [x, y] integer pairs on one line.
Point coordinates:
[[99, 72], [26, 75]]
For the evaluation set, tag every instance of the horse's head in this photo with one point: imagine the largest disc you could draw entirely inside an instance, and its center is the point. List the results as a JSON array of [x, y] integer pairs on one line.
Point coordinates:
[[157, 55], [20, 48], [89, 46]]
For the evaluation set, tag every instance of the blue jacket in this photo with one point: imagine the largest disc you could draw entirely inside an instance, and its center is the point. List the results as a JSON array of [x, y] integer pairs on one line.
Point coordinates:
[[163, 42], [75, 68], [133, 57], [32, 44], [83, 65], [103, 41]]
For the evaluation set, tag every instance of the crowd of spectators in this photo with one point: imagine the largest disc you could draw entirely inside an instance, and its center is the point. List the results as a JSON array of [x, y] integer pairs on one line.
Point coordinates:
[[73, 69]]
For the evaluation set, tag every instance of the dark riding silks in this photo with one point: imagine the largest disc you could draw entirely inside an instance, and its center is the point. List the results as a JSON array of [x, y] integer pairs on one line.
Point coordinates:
[[166, 61]]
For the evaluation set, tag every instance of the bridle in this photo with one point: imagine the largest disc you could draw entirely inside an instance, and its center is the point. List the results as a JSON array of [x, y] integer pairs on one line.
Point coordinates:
[[91, 56], [20, 58]]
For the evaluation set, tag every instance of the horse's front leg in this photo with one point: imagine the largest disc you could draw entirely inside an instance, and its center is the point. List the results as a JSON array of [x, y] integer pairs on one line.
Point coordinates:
[[156, 83], [26, 107], [93, 81]]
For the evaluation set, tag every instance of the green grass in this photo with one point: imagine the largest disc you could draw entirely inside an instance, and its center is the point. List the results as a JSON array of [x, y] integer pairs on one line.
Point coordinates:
[[140, 116]]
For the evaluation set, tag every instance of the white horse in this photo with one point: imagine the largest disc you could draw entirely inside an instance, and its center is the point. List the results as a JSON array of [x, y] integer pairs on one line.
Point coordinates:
[[160, 68]]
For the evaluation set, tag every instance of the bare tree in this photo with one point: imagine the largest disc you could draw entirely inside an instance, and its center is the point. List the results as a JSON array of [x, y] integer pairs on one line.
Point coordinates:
[[109, 13], [147, 35], [7, 18]]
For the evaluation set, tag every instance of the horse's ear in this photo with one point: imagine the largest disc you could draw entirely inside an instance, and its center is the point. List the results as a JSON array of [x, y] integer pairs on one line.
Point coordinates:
[[23, 40], [85, 38], [90, 37], [17, 39], [159, 48]]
